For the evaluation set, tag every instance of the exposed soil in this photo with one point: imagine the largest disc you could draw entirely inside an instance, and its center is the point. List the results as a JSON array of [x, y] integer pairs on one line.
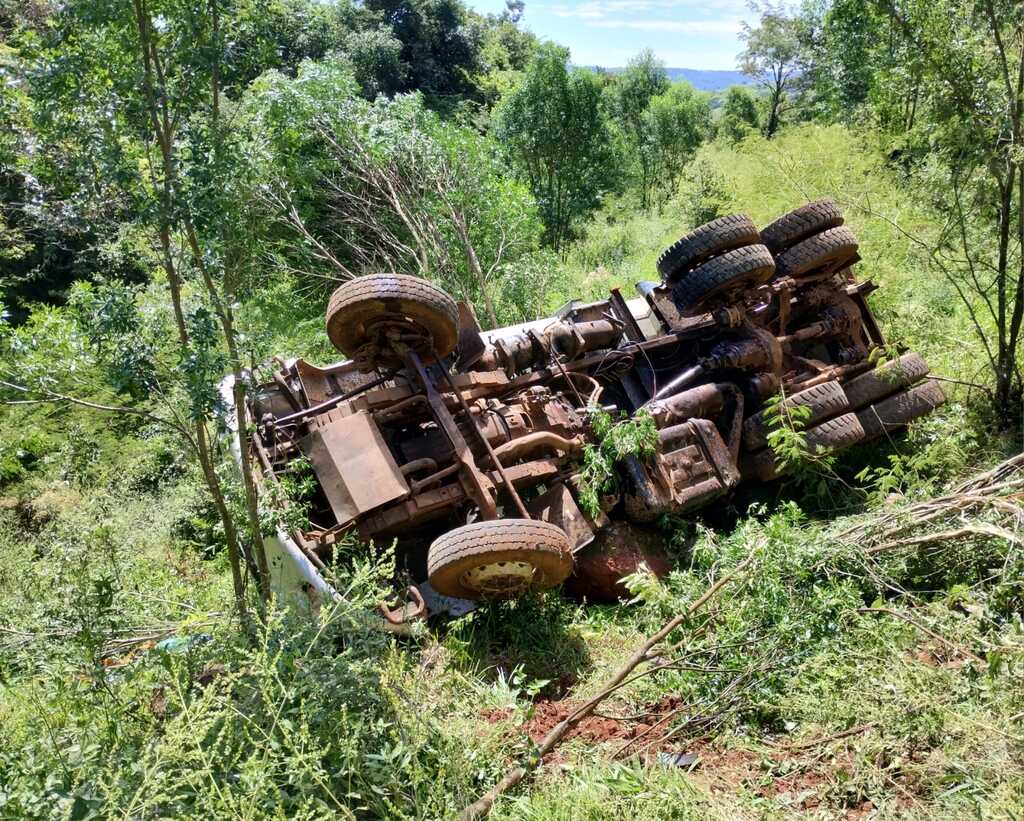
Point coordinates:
[[803, 777]]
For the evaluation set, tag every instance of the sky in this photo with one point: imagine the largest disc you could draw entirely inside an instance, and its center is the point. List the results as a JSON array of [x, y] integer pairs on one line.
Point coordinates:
[[681, 33]]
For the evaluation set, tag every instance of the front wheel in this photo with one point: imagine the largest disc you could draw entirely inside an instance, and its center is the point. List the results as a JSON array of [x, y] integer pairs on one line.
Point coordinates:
[[375, 318], [499, 559]]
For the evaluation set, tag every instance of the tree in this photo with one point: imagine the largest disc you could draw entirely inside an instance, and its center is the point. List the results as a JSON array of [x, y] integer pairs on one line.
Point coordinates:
[[773, 57], [154, 69], [629, 95], [260, 35], [376, 56], [389, 185], [505, 51], [739, 114], [60, 201], [676, 123], [962, 64], [556, 134], [440, 46], [846, 43]]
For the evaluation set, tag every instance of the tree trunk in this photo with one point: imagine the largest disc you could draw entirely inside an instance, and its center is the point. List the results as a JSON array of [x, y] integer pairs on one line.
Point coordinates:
[[160, 122], [474, 264]]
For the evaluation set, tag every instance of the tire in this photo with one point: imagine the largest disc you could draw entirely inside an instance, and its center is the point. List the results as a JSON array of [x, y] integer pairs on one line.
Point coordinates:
[[742, 267], [836, 434], [831, 250], [458, 559], [798, 225], [707, 241], [833, 435], [885, 380], [824, 400], [364, 302], [899, 410]]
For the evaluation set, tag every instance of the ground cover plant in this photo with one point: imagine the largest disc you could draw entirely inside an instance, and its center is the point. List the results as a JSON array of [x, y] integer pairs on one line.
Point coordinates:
[[862, 656]]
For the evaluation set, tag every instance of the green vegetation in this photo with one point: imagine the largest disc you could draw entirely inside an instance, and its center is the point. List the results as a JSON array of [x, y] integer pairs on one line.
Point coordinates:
[[616, 440], [181, 185]]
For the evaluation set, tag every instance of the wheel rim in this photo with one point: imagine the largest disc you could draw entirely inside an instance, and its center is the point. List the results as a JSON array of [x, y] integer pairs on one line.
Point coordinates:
[[505, 578]]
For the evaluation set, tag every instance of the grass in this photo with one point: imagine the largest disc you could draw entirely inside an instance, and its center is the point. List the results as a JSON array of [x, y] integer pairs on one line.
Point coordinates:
[[107, 547]]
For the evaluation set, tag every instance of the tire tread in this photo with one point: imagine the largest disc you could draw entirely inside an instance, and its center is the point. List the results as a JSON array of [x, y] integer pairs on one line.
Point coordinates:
[[752, 262], [704, 242], [801, 223]]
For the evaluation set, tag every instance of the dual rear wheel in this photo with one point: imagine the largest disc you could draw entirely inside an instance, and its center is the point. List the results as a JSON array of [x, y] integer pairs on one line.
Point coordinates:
[[724, 257]]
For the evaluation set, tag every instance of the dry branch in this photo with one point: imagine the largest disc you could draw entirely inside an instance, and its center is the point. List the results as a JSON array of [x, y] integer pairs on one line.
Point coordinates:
[[982, 529], [482, 806], [817, 742]]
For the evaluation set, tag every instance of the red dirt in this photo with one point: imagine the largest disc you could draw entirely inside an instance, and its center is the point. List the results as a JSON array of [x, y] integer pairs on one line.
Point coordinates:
[[601, 727], [803, 774]]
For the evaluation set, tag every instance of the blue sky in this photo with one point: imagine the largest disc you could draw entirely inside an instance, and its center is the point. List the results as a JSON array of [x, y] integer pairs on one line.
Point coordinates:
[[682, 33]]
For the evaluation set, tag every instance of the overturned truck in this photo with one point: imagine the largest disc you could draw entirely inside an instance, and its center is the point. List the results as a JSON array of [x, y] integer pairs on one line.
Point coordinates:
[[463, 448]]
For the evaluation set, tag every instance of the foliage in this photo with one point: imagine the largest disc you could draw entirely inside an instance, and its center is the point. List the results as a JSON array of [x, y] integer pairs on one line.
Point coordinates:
[[786, 424], [635, 437], [505, 51], [705, 192], [676, 123], [555, 132], [773, 57], [376, 57], [111, 540], [739, 116], [846, 43], [439, 47], [285, 503], [629, 97], [812, 469], [388, 185]]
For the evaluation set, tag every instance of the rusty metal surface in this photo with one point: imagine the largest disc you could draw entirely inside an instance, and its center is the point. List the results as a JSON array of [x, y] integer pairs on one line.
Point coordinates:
[[353, 464], [558, 506]]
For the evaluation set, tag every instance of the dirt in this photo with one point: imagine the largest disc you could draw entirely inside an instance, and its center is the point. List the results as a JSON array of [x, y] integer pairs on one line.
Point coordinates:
[[937, 655], [804, 778], [601, 727]]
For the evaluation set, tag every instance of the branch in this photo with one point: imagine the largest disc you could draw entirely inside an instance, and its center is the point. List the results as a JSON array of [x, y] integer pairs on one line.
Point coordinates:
[[983, 529], [483, 805], [49, 396]]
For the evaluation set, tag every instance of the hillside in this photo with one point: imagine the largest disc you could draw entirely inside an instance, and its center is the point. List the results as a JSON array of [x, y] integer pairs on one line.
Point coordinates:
[[258, 447], [699, 78], [847, 705], [709, 80]]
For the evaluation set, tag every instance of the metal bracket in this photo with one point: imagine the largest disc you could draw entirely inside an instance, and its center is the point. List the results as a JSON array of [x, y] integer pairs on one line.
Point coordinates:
[[413, 610]]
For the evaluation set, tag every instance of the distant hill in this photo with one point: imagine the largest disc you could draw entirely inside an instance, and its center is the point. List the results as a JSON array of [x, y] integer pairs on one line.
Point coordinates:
[[702, 79], [705, 80]]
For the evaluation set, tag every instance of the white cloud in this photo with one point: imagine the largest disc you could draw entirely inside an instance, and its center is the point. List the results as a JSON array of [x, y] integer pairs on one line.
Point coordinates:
[[601, 9], [676, 26]]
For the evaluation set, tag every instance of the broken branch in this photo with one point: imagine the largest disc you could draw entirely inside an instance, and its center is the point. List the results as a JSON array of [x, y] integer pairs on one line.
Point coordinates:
[[483, 805]]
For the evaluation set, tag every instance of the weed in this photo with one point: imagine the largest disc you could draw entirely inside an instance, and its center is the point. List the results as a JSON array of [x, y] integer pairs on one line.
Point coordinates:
[[635, 436]]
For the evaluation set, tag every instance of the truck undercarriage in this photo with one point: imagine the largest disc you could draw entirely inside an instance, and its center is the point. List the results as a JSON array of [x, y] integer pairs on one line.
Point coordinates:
[[464, 447]]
